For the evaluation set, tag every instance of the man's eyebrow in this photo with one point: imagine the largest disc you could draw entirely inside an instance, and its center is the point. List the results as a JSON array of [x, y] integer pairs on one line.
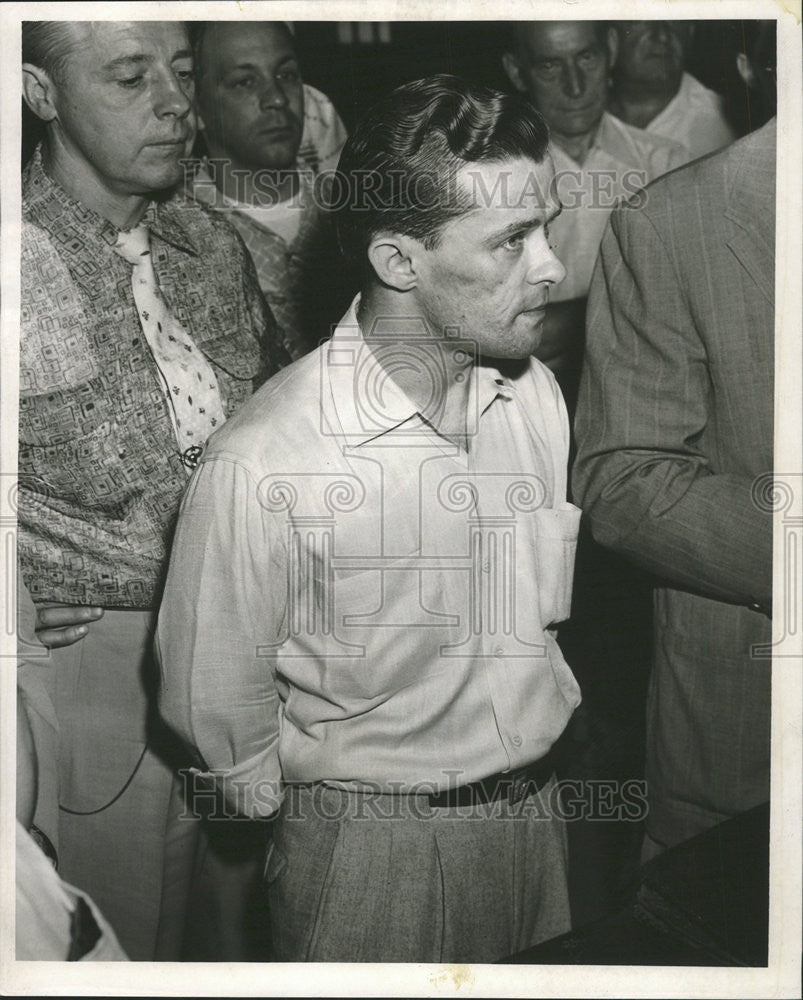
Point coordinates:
[[132, 60], [522, 225], [138, 58], [250, 65]]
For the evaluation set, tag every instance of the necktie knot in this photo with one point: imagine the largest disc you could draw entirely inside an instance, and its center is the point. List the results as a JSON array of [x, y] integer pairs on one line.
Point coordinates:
[[134, 245]]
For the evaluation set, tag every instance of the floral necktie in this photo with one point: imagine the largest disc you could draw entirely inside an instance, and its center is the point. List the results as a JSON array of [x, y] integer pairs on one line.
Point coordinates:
[[188, 380]]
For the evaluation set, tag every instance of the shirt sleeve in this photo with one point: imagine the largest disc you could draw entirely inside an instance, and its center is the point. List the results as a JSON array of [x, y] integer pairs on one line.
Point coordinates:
[[645, 425], [220, 620]]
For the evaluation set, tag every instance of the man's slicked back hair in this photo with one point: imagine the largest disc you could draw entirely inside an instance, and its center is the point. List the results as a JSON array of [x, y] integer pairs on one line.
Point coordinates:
[[48, 44], [397, 170]]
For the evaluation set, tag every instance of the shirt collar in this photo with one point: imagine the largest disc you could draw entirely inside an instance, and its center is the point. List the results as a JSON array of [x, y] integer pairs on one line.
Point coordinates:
[[48, 205], [368, 402]]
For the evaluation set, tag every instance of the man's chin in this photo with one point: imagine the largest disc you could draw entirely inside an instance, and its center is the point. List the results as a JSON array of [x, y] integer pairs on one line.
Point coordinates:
[[277, 155]]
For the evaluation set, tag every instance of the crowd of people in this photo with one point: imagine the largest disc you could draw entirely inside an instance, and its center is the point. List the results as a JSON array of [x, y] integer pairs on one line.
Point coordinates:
[[349, 466]]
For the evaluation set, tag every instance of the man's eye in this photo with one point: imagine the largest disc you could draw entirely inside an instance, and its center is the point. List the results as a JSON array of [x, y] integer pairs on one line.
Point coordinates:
[[588, 57], [130, 83], [288, 76], [185, 75], [547, 67], [514, 242], [245, 82]]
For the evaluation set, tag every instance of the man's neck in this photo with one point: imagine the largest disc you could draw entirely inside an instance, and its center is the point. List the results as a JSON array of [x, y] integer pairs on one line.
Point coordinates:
[[248, 186], [437, 379], [82, 184], [576, 146], [638, 104]]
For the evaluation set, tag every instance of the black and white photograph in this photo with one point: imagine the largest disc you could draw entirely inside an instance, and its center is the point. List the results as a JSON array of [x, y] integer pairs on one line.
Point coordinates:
[[402, 499]]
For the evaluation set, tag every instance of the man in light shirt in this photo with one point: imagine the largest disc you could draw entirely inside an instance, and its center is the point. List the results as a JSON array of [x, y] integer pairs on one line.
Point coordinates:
[[272, 142], [357, 630], [563, 67], [652, 90]]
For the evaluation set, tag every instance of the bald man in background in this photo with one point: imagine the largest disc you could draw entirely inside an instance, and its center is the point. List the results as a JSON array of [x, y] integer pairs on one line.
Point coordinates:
[[653, 91], [272, 142]]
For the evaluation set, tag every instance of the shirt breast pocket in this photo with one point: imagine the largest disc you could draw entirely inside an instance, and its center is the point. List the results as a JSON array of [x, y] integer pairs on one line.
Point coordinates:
[[556, 530]]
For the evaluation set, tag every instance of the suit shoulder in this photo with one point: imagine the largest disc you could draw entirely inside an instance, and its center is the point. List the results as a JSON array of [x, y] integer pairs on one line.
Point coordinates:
[[709, 178]]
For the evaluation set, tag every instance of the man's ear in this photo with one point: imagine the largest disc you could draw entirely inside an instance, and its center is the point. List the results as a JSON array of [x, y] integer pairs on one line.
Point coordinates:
[[745, 68], [612, 42], [514, 74], [39, 92], [391, 257]]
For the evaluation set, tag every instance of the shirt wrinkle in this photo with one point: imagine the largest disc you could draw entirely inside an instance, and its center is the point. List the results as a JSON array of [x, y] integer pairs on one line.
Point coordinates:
[[396, 683]]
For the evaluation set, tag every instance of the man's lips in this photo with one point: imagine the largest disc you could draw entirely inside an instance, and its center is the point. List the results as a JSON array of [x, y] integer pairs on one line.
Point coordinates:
[[278, 131]]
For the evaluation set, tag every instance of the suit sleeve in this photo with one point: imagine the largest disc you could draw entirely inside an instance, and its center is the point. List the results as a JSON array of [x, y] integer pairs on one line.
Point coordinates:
[[219, 624], [643, 474]]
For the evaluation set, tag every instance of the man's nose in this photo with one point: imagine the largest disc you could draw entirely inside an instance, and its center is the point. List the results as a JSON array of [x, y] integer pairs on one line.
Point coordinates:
[[170, 97], [545, 265], [660, 32], [272, 96], [574, 81]]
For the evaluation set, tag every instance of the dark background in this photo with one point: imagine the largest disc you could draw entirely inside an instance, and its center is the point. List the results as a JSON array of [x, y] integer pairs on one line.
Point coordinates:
[[355, 63]]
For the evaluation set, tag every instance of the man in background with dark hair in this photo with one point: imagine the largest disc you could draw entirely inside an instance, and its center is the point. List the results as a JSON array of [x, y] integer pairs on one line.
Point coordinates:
[[142, 329], [271, 140], [653, 91], [357, 629]]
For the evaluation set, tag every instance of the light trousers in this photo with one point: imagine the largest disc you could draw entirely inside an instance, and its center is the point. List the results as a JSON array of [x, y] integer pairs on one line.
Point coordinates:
[[109, 796], [355, 877]]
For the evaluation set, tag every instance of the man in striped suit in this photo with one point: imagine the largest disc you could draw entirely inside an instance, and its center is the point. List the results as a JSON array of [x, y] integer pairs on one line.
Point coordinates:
[[675, 432]]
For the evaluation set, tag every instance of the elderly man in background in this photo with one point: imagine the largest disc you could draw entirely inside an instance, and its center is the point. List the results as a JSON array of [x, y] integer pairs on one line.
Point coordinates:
[[563, 67], [142, 330], [272, 141], [653, 91]]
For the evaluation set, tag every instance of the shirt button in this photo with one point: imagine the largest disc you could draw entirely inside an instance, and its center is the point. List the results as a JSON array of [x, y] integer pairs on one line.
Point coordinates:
[[499, 651], [486, 566], [516, 741]]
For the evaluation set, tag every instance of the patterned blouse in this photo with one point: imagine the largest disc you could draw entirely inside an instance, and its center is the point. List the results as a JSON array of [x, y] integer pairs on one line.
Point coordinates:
[[99, 470]]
